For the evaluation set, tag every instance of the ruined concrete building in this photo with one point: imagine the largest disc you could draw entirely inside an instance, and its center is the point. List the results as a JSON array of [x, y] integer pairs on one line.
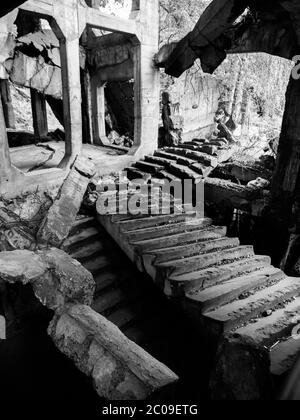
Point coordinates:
[[156, 298]]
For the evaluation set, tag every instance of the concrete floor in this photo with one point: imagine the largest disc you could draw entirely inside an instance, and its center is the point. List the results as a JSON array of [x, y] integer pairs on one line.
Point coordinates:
[[48, 155]]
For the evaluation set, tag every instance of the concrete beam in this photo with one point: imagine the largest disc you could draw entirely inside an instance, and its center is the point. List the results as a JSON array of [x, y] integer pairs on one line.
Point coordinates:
[[120, 369]]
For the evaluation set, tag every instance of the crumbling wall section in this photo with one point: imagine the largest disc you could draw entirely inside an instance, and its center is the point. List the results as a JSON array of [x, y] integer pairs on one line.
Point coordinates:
[[194, 99]]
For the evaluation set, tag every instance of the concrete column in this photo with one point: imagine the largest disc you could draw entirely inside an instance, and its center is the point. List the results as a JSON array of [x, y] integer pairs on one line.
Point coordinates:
[[71, 96], [147, 83], [39, 114], [86, 108], [7, 104], [98, 112], [5, 163]]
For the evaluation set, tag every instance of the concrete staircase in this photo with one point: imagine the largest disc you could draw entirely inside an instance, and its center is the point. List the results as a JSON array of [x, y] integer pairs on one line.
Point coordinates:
[[224, 286], [195, 160], [122, 295]]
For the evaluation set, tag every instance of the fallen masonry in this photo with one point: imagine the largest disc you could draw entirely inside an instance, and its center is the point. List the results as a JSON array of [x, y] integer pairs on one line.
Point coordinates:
[[98, 73], [120, 369], [222, 287]]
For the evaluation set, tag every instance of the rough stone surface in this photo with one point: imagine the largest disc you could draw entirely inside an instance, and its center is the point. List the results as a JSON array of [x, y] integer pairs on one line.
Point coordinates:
[[35, 73], [14, 234], [66, 281], [120, 369], [56, 278], [194, 102], [61, 216], [21, 266]]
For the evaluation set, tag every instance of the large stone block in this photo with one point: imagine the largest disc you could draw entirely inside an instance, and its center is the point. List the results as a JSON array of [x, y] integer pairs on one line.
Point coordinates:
[[66, 281], [61, 216], [56, 278], [120, 369], [21, 266]]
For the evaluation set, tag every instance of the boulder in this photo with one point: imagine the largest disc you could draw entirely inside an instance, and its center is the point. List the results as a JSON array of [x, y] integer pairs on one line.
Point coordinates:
[[60, 218]]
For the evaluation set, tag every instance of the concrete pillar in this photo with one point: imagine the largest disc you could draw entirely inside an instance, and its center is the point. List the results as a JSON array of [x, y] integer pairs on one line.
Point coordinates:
[[7, 104], [147, 82], [86, 108], [71, 96], [98, 112], [39, 114], [5, 163]]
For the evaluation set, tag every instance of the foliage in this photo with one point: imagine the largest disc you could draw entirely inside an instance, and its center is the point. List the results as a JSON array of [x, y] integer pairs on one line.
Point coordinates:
[[261, 78]]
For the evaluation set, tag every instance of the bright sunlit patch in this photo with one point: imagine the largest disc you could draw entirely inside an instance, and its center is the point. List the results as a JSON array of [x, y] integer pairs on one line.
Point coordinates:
[[116, 9]]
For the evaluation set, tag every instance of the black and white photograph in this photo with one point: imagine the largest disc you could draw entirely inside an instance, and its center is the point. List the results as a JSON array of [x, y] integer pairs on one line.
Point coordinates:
[[149, 204]]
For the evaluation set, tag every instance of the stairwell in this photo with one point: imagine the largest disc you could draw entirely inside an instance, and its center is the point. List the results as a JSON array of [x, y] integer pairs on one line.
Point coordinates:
[[224, 287]]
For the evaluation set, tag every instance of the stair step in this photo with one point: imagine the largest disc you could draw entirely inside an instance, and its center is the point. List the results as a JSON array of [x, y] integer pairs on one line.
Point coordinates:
[[113, 277], [109, 300], [169, 254], [170, 159], [209, 149], [215, 275], [105, 279], [153, 221], [192, 153], [133, 173], [265, 331], [80, 236], [191, 264], [199, 141], [170, 177], [219, 143], [167, 229], [153, 210], [224, 293], [183, 171], [87, 250], [182, 238], [148, 167], [97, 263], [123, 316], [201, 168], [82, 223], [236, 313], [284, 356]]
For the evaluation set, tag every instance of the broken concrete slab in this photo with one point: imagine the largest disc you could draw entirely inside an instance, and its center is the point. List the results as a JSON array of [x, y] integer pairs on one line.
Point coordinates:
[[120, 369], [35, 73], [21, 266], [56, 278], [58, 222], [66, 281], [7, 40]]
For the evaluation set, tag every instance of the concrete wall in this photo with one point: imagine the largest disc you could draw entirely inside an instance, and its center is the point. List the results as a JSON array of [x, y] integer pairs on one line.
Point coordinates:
[[194, 102]]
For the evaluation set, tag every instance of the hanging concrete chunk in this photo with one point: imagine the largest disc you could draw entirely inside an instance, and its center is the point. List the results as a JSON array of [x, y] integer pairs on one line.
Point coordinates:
[[120, 369], [61, 216]]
